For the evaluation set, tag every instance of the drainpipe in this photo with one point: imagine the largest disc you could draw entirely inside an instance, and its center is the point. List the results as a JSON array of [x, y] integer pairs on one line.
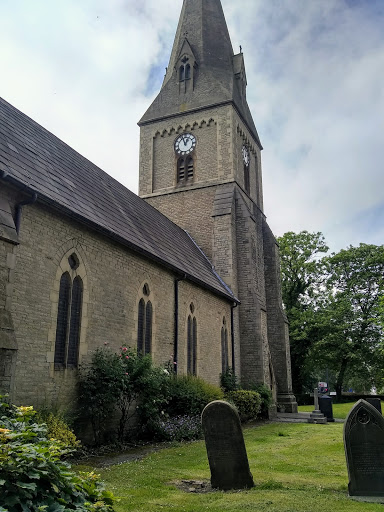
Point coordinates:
[[176, 324], [19, 209], [233, 336]]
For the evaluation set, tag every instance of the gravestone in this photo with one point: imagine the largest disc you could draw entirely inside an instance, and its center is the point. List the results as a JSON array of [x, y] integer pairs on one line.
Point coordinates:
[[376, 402], [364, 451], [225, 446], [317, 416]]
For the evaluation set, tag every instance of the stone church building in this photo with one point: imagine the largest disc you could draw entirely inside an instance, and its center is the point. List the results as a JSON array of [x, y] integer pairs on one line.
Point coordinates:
[[187, 271]]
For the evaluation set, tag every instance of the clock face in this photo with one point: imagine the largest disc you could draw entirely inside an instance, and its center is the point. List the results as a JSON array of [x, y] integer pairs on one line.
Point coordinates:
[[245, 155], [185, 143]]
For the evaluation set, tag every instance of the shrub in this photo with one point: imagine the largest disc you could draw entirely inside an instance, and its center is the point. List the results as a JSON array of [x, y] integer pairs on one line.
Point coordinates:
[[247, 403], [188, 394], [32, 475], [228, 380], [265, 395], [58, 428], [124, 383], [181, 428]]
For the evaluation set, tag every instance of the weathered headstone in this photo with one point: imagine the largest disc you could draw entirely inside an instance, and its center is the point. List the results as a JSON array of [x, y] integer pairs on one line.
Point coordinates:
[[317, 416], [364, 451], [226, 451]]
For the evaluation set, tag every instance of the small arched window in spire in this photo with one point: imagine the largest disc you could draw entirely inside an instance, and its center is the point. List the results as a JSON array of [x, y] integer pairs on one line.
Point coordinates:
[[184, 70]]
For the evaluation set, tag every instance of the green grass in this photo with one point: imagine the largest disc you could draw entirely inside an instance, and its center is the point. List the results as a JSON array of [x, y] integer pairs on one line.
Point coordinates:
[[296, 468]]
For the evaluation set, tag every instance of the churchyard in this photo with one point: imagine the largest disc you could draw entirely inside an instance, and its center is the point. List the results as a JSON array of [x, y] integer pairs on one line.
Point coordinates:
[[295, 467]]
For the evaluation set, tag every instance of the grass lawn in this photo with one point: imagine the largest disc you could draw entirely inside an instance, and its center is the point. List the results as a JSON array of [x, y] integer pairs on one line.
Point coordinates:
[[296, 468]]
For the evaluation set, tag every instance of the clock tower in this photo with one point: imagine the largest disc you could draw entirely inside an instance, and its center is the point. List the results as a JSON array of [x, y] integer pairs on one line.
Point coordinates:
[[200, 165]]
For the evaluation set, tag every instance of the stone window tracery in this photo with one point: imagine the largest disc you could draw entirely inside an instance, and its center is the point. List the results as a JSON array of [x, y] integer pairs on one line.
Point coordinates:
[[69, 312]]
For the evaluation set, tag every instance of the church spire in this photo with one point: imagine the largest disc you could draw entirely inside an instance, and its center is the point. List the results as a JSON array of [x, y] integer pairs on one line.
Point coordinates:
[[203, 70]]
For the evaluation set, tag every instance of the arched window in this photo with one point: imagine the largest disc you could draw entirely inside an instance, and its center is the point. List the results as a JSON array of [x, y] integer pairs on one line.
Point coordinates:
[[192, 343], [185, 168], [184, 70], [144, 324], [246, 178], [68, 319], [224, 347]]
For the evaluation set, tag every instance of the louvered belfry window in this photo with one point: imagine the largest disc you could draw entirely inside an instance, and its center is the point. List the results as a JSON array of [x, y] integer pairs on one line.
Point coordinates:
[[144, 324], [68, 322], [185, 168], [192, 345]]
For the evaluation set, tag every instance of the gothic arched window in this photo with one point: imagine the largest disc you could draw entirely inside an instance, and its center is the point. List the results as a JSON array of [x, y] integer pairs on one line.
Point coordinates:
[[68, 319], [246, 178], [192, 343], [144, 324], [224, 347], [184, 70]]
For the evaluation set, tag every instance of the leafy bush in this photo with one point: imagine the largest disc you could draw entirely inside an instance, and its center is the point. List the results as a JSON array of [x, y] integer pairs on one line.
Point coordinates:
[[228, 380], [265, 395], [248, 403], [181, 428], [124, 383], [188, 394], [32, 475], [58, 428]]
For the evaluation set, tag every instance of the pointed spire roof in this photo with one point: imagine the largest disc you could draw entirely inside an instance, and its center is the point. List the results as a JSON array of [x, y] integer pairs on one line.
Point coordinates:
[[202, 33]]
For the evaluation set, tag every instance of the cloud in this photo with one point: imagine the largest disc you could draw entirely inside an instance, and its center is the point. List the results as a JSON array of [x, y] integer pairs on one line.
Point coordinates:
[[88, 70]]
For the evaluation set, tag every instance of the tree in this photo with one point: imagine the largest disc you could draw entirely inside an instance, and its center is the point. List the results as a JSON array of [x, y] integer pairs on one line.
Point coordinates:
[[302, 274], [350, 315]]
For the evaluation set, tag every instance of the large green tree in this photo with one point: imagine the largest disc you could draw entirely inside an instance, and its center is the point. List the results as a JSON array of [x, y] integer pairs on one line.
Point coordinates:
[[302, 276], [349, 315]]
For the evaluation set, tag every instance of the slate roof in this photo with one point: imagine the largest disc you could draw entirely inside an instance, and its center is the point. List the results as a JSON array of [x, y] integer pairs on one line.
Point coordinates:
[[62, 178]]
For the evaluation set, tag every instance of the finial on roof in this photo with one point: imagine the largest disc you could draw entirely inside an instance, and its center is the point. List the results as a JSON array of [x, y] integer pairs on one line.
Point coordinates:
[[241, 49]]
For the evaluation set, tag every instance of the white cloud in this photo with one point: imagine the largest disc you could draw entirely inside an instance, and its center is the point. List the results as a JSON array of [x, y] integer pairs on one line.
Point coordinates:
[[88, 70]]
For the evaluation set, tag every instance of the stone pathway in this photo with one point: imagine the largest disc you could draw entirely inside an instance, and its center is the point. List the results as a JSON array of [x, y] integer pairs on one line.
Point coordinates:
[[299, 417]]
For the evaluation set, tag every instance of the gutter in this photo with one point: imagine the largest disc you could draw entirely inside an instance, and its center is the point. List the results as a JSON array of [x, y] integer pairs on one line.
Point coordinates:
[[234, 305]]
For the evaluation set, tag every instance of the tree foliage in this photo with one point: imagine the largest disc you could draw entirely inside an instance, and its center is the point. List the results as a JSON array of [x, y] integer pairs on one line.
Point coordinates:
[[334, 306], [302, 275]]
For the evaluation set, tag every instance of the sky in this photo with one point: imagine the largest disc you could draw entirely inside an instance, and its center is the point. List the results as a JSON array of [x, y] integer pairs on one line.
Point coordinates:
[[87, 70]]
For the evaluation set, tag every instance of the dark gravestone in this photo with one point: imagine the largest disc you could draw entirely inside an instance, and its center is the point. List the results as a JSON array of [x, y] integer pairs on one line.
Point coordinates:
[[325, 406], [224, 441], [364, 450], [376, 402]]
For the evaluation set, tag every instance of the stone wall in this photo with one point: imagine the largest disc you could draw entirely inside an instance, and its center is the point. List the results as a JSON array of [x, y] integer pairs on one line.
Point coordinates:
[[113, 278]]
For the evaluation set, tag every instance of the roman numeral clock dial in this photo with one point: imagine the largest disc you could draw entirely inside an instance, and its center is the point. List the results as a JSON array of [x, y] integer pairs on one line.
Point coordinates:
[[185, 144]]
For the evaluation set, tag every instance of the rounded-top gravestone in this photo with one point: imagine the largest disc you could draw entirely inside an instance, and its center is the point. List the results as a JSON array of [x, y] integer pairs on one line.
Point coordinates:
[[364, 450], [225, 446]]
